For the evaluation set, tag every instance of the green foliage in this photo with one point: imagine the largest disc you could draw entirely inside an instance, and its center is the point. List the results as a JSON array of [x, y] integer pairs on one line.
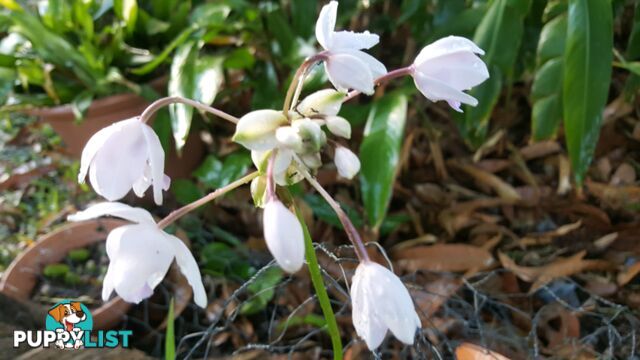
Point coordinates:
[[546, 91], [380, 154], [169, 336], [215, 173], [220, 259], [185, 191], [261, 290], [587, 62], [499, 34]]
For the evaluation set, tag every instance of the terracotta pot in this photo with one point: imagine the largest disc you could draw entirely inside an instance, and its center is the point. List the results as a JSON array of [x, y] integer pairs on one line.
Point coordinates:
[[104, 112], [21, 276]]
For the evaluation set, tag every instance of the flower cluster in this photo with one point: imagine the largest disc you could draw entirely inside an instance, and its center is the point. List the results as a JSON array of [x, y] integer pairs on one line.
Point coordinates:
[[286, 146]]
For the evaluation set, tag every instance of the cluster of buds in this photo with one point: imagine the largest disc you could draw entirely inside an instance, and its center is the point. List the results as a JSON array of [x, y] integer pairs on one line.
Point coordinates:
[[286, 147]]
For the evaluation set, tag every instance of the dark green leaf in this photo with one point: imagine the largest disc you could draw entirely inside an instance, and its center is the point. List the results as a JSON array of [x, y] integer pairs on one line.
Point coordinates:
[[240, 59], [210, 14], [55, 270], [81, 103], [185, 191], [633, 46], [380, 154], [221, 260], [587, 74], [216, 174], [262, 290], [303, 14], [324, 212], [546, 93], [499, 35], [182, 82]]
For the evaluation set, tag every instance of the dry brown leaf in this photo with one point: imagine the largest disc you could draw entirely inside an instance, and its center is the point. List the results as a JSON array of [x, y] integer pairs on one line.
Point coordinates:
[[615, 197], [504, 190], [547, 237], [628, 274], [561, 267], [435, 293], [469, 351], [540, 149], [443, 257], [625, 175]]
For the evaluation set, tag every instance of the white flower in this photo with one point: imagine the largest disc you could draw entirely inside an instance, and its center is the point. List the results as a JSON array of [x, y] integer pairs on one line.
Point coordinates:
[[381, 302], [140, 254], [446, 68], [283, 234], [323, 102], [257, 129], [339, 126], [122, 156], [347, 66], [346, 162]]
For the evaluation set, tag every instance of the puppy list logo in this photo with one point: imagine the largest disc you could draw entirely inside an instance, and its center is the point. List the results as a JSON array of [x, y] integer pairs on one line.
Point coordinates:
[[69, 325]]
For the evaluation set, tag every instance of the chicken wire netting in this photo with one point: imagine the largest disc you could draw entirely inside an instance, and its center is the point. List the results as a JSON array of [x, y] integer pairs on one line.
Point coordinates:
[[562, 320]]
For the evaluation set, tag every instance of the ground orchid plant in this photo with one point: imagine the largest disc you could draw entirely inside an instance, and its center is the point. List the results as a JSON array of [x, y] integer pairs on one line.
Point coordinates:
[[286, 147]]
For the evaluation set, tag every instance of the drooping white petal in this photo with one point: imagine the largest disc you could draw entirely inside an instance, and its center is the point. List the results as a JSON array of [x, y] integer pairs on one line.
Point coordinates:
[[326, 23], [95, 144], [459, 70], [380, 301], [107, 285], [120, 162], [256, 130], [346, 162], [283, 235], [140, 262], [324, 102], [346, 72], [353, 40], [376, 67], [116, 209], [447, 45], [189, 267], [156, 162], [436, 90], [339, 126]]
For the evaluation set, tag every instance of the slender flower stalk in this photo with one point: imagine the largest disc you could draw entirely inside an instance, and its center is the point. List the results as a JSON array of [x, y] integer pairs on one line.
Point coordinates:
[[349, 228], [176, 214], [298, 79], [160, 103], [405, 71]]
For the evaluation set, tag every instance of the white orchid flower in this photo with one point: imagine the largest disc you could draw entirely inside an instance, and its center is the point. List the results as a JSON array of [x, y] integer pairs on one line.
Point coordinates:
[[381, 302], [284, 237], [140, 254], [347, 66], [346, 162], [446, 68], [123, 156]]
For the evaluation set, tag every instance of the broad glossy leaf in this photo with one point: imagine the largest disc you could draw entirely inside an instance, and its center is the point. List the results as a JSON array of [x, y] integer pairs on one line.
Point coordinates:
[[216, 173], [303, 16], [380, 154], [127, 10], [587, 74], [499, 35], [185, 191], [546, 93]]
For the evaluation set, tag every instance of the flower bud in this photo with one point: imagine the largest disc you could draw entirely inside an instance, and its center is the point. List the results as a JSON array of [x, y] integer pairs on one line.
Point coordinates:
[[346, 162], [312, 161], [289, 137], [323, 102], [313, 138], [339, 126], [257, 129], [284, 237], [259, 190]]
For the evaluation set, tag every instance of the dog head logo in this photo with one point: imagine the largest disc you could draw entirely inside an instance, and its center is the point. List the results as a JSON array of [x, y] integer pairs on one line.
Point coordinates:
[[70, 319]]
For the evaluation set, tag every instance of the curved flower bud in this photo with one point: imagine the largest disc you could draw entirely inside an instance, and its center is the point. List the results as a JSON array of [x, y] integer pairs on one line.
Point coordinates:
[[284, 237], [257, 129], [339, 126], [123, 156], [346, 162], [289, 137], [346, 65], [446, 68], [381, 302], [313, 138], [324, 102], [140, 254]]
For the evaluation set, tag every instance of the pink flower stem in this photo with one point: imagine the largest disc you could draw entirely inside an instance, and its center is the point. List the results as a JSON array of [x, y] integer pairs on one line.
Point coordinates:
[[160, 103], [349, 228], [383, 79], [271, 184], [298, 78], [176, 214]]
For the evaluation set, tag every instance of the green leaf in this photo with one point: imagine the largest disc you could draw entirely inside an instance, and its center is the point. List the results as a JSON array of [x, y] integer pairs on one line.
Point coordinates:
[[170, 336], [210, 14], [546, 92], [633, 66], [185, 191], [215, 173], [240, 59], [55, 270], [380, 154], [587, 64], [303, 14], [221, 260], [153, 64], [325, 212], [262, 290], [193, 78], [127, 10], [80, 104], [633, 46], [499, 35]]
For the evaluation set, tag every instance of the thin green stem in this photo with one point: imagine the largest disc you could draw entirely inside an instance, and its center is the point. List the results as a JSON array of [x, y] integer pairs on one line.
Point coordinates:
[[321, 291]]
